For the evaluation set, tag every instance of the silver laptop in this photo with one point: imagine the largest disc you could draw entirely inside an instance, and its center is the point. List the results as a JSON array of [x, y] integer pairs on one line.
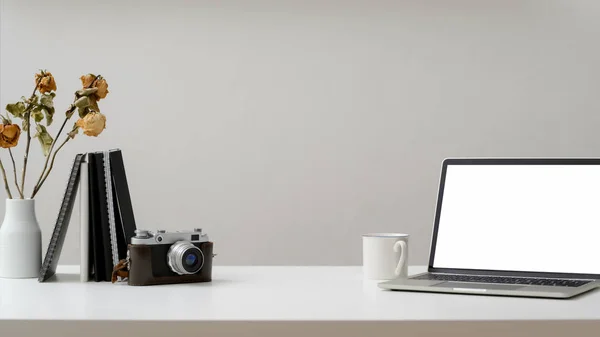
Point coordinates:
[[514, 227]]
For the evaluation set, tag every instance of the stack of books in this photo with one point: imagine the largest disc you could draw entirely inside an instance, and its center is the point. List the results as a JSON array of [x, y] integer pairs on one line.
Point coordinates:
[[107, 220]]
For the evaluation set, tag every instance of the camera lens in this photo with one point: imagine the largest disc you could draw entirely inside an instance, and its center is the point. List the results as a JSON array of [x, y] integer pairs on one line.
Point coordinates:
[[190, 259], [185, 258]]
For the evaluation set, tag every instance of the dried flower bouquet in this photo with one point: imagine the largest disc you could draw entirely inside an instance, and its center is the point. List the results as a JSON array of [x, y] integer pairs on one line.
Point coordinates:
[[39, 108]]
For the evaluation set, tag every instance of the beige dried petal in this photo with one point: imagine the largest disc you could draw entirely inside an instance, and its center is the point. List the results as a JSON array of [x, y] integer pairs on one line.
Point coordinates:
[[102, 88], [92, 124]]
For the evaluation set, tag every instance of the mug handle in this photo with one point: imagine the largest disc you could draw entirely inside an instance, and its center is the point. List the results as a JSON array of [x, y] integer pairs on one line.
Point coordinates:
[[400, 246]]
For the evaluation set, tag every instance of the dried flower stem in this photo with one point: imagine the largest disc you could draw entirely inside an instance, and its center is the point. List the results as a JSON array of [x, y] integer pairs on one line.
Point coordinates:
[[15, 173], [28, 116], [39, 182], [5, 181], [37, 188]]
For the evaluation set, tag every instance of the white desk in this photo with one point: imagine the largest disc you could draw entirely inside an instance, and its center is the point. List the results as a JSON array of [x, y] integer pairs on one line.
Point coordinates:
[[290, 301]]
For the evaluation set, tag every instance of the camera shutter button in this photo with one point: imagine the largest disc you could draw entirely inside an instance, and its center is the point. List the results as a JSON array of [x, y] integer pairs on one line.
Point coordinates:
[[141, 233]]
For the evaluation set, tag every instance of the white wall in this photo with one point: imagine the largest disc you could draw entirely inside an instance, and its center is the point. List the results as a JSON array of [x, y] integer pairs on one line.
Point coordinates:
[[288, 128]]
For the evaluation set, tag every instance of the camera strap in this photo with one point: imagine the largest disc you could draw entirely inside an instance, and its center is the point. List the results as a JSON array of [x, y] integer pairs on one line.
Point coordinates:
[[121, 271]]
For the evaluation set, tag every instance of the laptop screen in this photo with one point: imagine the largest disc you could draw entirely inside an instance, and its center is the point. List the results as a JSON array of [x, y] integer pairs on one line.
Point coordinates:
[[529, 218]]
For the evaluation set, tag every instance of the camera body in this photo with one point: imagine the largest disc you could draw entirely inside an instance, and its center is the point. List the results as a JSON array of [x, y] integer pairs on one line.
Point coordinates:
[[162, 257]]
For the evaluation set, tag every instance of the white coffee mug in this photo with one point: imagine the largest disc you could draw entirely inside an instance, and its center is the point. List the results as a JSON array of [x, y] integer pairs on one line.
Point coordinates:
[[385, 256]]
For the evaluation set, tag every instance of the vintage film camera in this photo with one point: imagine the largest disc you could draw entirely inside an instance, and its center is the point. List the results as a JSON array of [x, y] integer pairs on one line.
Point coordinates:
[[163, 257]]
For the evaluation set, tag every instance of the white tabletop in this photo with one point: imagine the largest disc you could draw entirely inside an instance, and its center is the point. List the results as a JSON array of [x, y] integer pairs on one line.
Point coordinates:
[[270, 294]]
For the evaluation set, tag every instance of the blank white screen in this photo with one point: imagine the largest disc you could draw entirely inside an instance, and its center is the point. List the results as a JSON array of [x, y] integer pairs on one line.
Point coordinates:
[[543, 218]]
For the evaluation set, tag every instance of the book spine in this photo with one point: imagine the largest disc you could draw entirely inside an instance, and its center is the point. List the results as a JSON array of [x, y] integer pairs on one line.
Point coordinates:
[[84, 213], [95, 223], [110, 210], [102, 209]]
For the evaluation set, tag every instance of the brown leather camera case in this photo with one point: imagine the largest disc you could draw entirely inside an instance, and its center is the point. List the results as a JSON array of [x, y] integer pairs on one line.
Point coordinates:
[[141, 272]]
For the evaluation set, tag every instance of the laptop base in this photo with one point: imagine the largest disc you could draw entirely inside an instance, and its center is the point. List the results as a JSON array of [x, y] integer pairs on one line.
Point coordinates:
[[512, 290]]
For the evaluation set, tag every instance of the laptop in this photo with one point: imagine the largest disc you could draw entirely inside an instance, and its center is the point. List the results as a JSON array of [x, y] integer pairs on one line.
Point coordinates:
[[514, 227]]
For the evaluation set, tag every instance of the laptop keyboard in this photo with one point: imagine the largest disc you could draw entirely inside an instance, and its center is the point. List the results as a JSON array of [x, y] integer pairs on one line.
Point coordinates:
[[503, 280]]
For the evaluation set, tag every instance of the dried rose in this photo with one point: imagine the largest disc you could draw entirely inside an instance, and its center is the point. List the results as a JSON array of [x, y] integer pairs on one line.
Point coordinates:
[[45, 82], [87, 80], [92, 124], [9, 135], [98, 82]]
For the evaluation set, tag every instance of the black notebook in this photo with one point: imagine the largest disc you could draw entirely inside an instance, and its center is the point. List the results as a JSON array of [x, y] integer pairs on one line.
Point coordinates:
[[103, 263], [110, 210], [110, 213], [62, 223], [123, 208]]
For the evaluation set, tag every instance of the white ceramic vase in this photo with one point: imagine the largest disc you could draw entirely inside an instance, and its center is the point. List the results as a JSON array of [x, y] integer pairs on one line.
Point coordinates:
[[20, 240]]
